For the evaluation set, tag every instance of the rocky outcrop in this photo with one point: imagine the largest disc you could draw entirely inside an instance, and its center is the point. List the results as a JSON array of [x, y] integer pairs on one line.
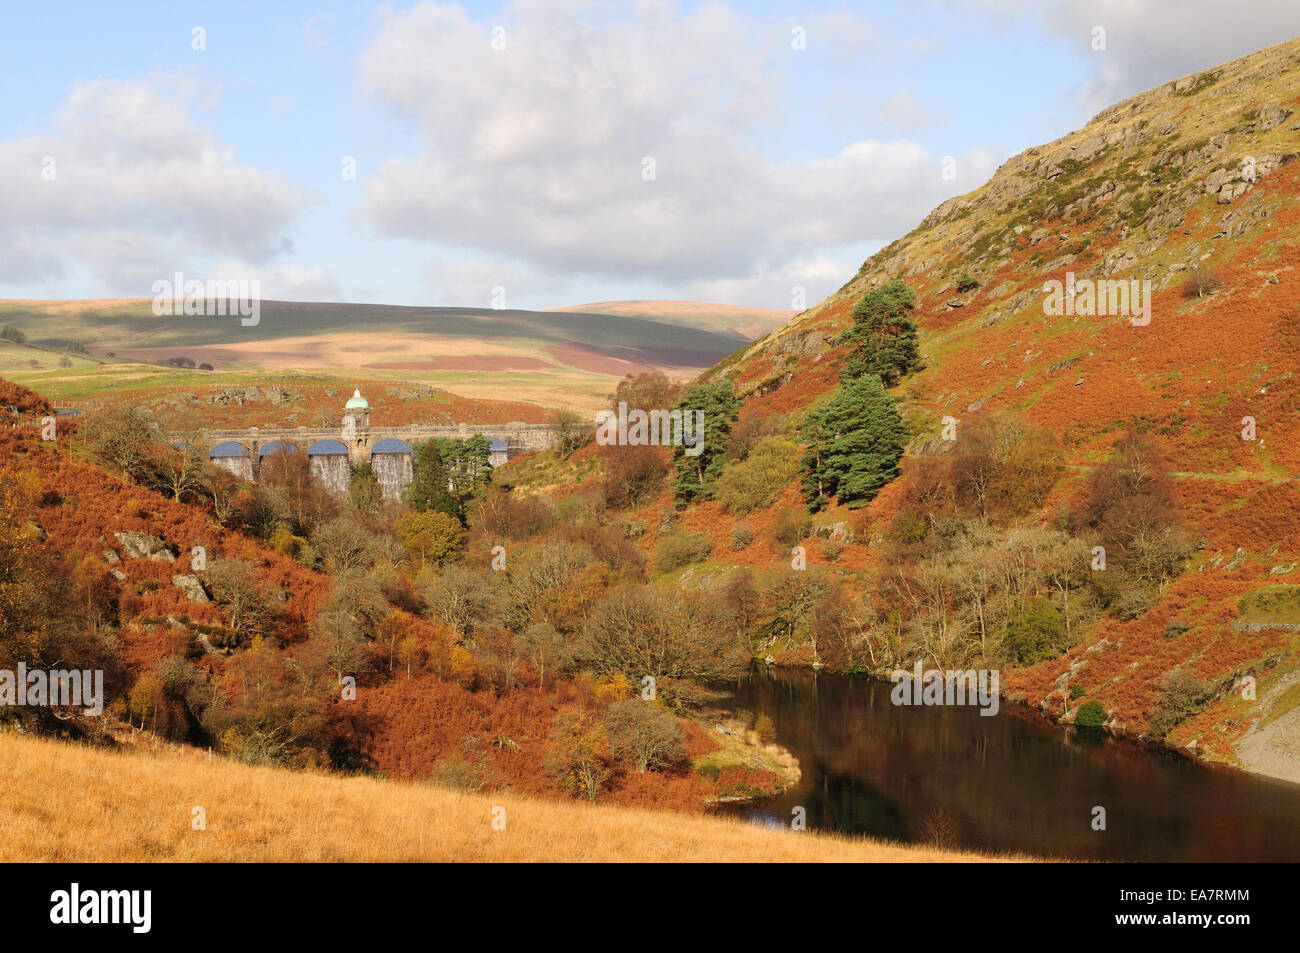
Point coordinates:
[[191, 587], [144, 546]]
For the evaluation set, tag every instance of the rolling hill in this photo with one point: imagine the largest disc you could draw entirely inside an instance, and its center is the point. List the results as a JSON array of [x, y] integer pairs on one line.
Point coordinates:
[[555, 358], [736, 320]]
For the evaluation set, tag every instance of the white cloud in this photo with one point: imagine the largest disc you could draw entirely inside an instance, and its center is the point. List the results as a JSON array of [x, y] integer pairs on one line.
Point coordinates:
[[535, 152], [1149, 42], [137, 191], [283, 282], [472, 282], [794, 285]]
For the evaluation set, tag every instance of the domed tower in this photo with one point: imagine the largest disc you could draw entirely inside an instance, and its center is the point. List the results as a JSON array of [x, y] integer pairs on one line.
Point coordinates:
[[358, 408]]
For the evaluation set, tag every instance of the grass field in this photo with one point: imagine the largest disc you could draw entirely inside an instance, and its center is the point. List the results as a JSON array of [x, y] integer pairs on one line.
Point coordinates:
[[73, 803]]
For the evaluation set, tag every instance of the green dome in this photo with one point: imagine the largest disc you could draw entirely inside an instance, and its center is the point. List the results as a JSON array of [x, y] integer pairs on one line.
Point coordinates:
[[357, 402]]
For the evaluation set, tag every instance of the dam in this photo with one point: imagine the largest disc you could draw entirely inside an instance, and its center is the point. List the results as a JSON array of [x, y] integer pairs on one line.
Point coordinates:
[[336, 453]]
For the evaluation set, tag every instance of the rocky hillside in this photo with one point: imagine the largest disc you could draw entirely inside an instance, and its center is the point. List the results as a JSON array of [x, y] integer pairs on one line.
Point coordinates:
[[1152, 188], [1191, 187]]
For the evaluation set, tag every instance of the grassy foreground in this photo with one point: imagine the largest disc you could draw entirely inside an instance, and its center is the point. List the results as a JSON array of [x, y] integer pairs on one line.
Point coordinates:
[[65, 802]]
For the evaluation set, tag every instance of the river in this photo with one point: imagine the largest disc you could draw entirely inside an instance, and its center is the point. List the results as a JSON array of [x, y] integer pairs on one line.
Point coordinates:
[[1007, 783]]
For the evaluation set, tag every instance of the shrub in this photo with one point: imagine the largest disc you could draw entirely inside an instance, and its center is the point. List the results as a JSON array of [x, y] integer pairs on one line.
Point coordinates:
[[238, 588], [790, 526], [120, 437], [1184, 696], [575, 759], [572, 432], [1032, 630], [436, 537], [644, 735], [457, 772], [344, 544], [1090, 715], [754, 482], [513, 517], [967, 282], [681, 549], [741, 536], [1003, 465], [909, 527], [765, 728], [632, 473], [1201, 280], [637, 631]]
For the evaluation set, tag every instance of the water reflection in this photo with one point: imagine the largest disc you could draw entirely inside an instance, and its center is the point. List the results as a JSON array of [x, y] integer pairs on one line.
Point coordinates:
[[1007, 783]]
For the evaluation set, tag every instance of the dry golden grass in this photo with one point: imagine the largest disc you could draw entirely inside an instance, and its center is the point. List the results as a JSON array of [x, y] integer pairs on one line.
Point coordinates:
[[65, 802]]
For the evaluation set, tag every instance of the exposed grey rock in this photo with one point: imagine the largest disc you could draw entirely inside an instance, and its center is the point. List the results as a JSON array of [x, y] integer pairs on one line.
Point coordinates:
[[1272, 116], [144, 546], [191, 587]]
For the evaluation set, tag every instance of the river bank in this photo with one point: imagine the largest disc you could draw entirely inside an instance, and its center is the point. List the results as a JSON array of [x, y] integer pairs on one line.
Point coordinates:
[[1022, 783]]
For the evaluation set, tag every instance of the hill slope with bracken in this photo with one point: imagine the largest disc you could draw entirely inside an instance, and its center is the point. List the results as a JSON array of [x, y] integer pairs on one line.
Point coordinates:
[[1038, 434], [210, 635], [1191, 186]]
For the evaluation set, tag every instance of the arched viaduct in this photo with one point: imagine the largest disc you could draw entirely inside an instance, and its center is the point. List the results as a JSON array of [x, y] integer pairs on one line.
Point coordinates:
[[335, 452]]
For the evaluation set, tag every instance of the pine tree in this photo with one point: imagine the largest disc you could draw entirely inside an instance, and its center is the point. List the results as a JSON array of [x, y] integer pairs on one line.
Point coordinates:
[[884, 334], [697, 476], [468, 463], [428, 489], [854, 444]]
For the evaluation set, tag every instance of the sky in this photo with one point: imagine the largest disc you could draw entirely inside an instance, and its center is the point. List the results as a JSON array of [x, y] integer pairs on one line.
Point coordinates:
[[540, 154]]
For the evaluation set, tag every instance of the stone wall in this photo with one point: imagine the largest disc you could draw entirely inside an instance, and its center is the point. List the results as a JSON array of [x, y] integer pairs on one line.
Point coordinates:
[[394, 472], [241, 467], [333, 471]]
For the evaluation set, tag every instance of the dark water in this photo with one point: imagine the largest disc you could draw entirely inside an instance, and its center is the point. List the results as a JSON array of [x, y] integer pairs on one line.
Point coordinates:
[[1008, 782]]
